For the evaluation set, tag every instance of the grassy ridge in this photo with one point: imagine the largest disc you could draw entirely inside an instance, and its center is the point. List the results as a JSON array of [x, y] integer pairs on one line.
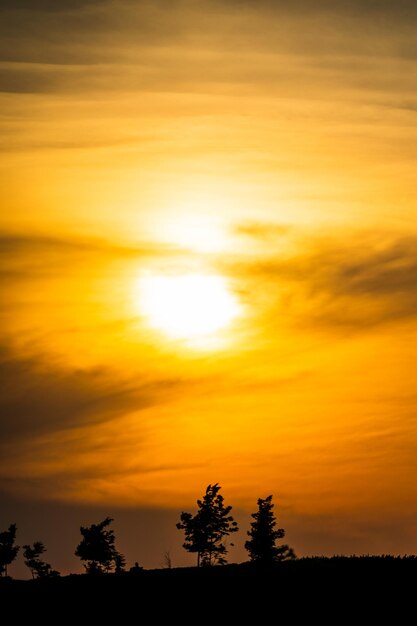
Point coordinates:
[[309, 587]]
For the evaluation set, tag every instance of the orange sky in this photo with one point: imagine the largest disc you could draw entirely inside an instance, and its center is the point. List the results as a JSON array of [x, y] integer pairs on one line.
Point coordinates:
[[209, 262]]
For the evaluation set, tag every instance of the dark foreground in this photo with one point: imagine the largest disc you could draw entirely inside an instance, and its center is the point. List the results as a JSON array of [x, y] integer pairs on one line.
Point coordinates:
[[333, 590]]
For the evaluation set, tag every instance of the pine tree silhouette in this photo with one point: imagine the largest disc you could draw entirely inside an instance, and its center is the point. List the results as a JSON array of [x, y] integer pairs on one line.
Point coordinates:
[[263, 535]]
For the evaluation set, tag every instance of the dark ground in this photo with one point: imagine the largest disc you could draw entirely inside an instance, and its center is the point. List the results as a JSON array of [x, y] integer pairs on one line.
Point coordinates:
[[337, 590]]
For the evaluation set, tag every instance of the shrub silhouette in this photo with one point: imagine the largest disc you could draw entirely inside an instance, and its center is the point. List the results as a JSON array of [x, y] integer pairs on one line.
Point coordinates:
[[8, 548], [98, 550], [38, 568]]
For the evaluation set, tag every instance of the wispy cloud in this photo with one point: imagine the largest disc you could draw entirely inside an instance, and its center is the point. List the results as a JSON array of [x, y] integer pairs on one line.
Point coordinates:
[[31, 256], [352, 282], [43, 396], [146, 45], [262, 231]]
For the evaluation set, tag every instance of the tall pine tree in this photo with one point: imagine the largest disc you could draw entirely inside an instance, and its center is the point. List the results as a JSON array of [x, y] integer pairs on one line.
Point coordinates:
[[204, 532], [264, 535]]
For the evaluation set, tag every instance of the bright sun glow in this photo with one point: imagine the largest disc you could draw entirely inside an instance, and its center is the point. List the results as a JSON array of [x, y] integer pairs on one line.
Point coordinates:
[[202, 233], [192, 307]]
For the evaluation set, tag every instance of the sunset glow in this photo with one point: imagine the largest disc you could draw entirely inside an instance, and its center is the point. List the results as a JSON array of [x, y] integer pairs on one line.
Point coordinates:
[[209, 265], [199, 232]]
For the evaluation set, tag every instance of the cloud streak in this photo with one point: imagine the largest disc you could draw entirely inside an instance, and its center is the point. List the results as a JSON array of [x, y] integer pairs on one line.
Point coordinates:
[[40, 396], [142, 46], [352, 283]]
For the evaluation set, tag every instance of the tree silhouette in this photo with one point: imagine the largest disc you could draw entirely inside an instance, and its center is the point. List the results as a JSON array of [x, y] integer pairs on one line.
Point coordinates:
[[38, 568], [167, 559], [97, 548], [8, 549], [205, 530], [263, 535], [119, 563]]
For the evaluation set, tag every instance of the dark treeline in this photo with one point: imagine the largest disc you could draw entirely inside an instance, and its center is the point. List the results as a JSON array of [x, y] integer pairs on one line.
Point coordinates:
[[205, 535], [272, 585]]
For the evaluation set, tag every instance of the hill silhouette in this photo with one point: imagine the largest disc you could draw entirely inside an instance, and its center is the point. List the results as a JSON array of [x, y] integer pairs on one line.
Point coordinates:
[[321, 587]]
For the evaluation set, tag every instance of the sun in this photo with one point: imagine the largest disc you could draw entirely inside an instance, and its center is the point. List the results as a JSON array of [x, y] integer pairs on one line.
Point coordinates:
[[190, 307]]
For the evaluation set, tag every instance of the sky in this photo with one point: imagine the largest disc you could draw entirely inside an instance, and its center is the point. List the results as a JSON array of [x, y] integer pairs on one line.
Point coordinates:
[[208, 248]]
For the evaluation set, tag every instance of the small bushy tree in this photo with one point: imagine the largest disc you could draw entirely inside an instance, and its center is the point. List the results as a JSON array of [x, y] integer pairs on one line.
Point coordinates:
[[38, 567], [97, 548], [8, 548], [262, 545], [205, 531]]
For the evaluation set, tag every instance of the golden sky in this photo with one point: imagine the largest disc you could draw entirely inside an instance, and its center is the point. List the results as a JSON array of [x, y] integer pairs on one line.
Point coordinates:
[[209, 260]]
